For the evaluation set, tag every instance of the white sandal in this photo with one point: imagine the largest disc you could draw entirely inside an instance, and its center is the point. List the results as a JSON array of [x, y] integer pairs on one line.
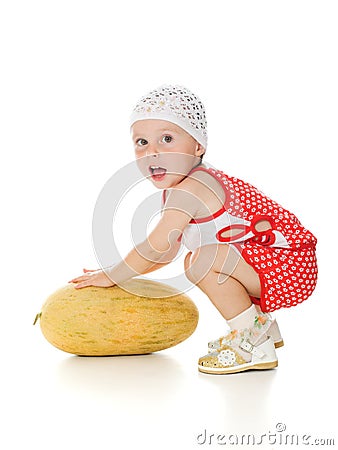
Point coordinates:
[[240, 356], [245, 349], [273, 332]]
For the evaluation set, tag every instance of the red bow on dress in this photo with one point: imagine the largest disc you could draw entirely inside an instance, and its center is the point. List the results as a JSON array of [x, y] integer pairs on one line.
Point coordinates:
[[266, 237]]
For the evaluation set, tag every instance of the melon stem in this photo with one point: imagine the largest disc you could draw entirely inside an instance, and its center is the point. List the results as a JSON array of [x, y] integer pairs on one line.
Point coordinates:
[[37, 317]]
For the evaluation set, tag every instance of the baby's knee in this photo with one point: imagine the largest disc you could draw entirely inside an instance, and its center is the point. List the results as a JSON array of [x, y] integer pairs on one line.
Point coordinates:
[[187, 267], [200, 262]]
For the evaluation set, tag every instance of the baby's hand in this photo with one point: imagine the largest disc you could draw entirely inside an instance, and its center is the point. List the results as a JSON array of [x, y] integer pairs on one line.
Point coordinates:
[[92, 278]]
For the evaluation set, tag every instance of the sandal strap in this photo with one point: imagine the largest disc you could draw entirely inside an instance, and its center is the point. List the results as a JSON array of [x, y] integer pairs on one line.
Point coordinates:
[[250, 348]]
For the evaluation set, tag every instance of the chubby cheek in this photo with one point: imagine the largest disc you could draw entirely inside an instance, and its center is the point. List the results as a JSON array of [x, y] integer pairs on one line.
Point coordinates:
[[178, 164], [142, 164]]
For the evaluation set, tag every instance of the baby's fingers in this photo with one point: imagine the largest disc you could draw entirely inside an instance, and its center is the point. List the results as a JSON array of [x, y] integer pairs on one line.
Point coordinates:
[[78, 279], [82, 285], [82, 277]]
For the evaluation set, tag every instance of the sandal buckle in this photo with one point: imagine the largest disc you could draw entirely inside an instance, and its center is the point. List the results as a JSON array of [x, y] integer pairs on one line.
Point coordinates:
[[246, 345], [250, 348]]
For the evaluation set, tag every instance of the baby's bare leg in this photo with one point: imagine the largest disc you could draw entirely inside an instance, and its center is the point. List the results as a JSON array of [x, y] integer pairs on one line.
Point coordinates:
[[224, 277]]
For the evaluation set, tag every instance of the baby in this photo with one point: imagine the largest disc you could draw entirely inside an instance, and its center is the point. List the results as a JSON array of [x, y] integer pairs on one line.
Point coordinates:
[[247, 253]]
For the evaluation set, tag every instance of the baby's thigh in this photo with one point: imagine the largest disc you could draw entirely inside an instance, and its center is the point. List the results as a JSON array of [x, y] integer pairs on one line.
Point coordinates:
[[225, 260], [216, 257]]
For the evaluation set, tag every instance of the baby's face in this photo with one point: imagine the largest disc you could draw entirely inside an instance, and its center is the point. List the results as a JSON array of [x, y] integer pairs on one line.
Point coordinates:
[[165, 153]]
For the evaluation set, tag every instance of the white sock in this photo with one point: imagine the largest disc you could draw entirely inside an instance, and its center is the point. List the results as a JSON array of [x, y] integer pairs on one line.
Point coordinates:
[[245, 319], [259, 310]]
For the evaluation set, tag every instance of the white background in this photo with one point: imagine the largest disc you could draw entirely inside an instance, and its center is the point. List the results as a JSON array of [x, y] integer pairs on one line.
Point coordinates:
[[71, 71]]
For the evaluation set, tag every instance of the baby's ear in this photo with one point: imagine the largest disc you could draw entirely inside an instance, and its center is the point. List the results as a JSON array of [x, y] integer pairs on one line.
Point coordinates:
[[200, 150]]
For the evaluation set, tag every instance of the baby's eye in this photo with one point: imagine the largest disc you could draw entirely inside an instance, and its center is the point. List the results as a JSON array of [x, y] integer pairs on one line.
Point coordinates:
[[167, 139], [141, 142]]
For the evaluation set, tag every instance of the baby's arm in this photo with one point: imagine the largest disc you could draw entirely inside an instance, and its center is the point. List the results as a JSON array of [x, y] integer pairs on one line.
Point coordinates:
[[158, 249], [167, 258]]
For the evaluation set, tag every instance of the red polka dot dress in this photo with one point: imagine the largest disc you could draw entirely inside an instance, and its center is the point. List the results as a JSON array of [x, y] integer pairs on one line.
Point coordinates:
[[283, 254]]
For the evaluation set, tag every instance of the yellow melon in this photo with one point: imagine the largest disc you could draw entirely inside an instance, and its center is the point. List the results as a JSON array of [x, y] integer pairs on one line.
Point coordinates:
[[112, 321]]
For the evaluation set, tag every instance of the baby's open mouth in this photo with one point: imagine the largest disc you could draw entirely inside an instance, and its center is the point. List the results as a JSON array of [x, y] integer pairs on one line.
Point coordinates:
[[157, 173]]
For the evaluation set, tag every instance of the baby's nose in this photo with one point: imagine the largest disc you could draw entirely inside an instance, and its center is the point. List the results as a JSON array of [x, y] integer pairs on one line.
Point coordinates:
[[152, 150]]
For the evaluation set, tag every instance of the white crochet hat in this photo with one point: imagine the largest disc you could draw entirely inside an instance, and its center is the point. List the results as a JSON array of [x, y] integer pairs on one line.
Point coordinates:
[[175, 104]]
